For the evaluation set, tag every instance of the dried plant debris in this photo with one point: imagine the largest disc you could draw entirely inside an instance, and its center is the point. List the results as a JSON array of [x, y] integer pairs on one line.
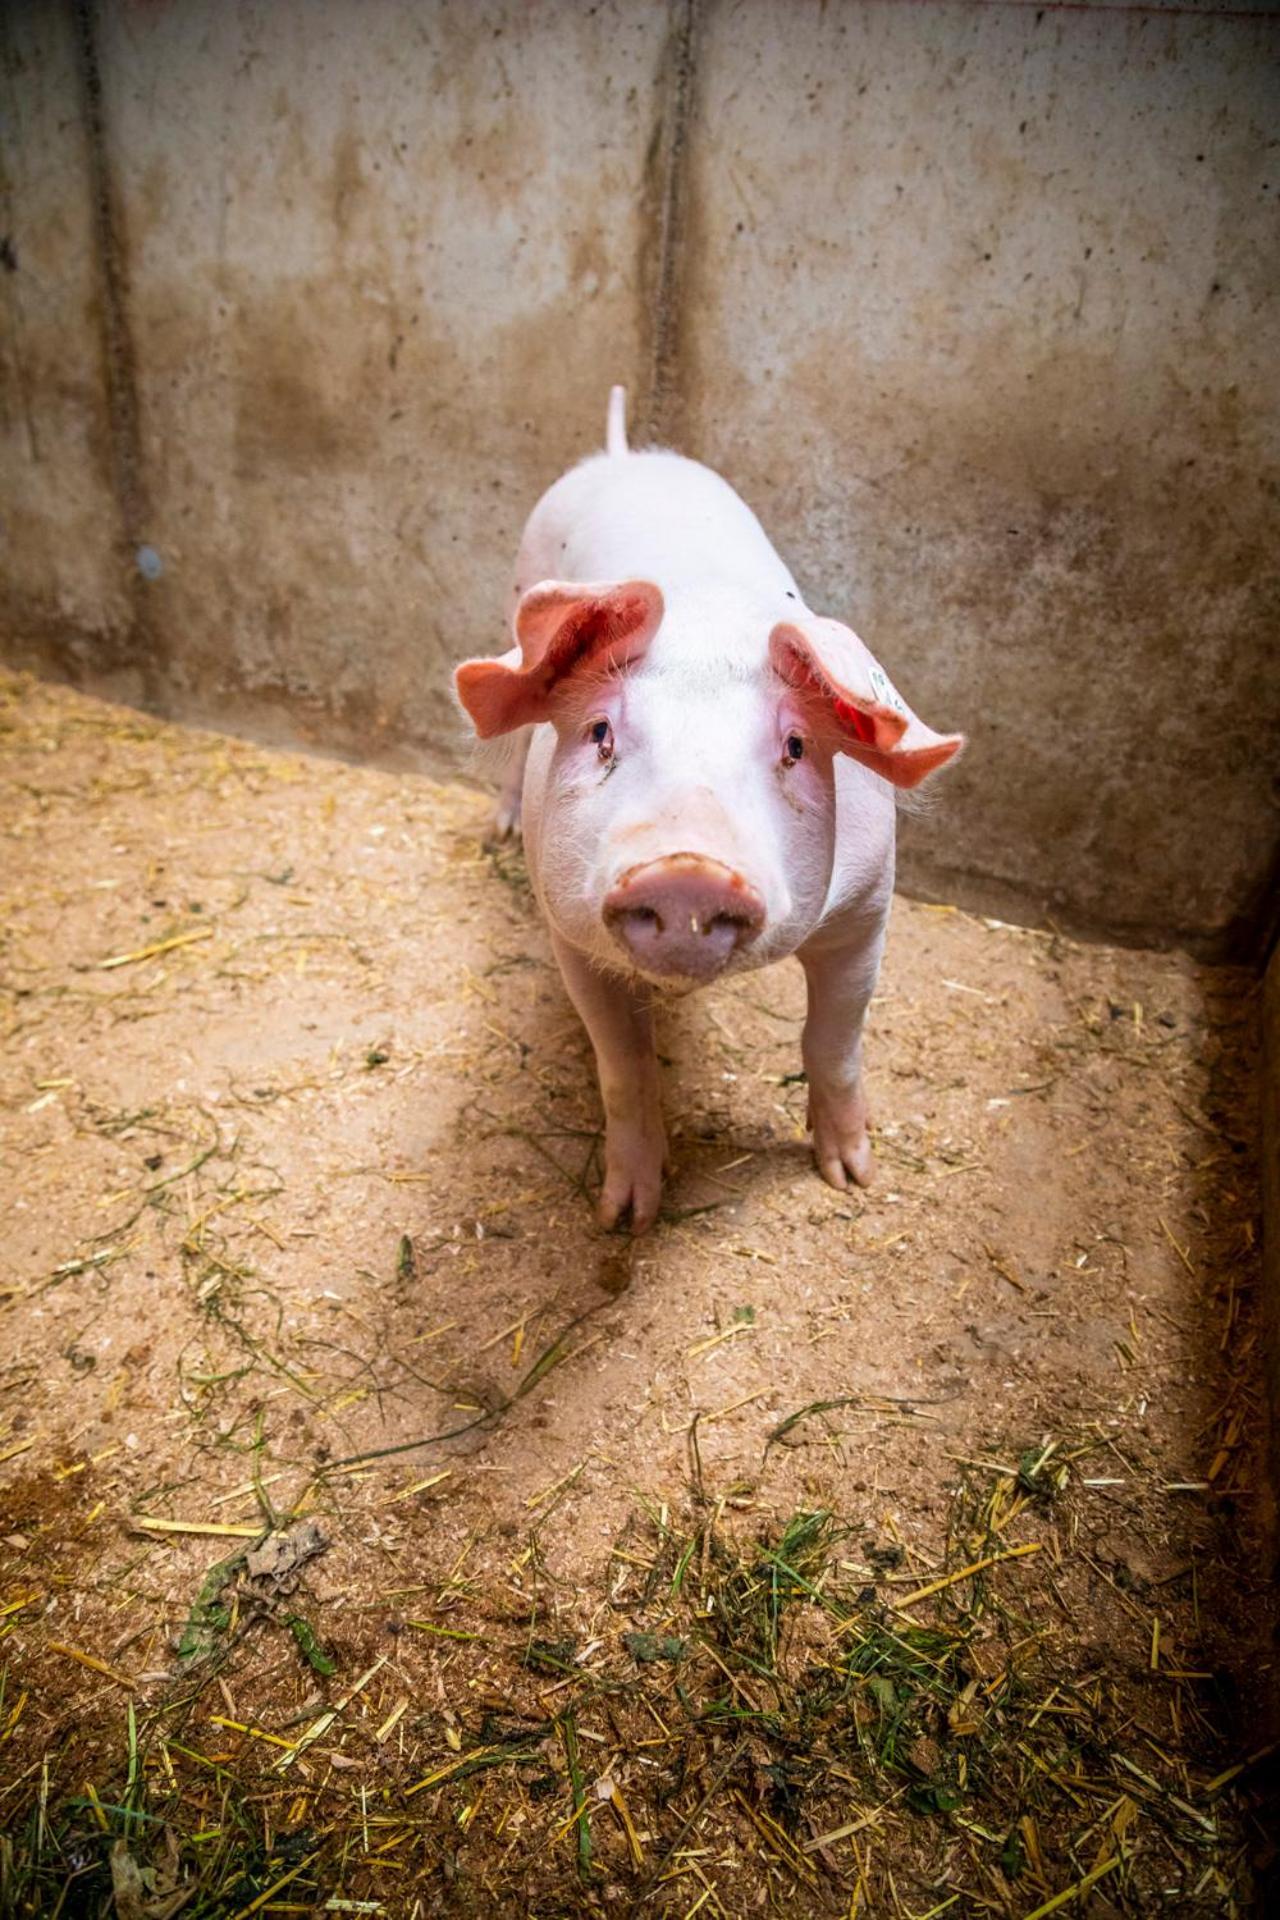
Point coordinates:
[[276, 1562], [248, 1587], [376, 1537], [785, 1712]]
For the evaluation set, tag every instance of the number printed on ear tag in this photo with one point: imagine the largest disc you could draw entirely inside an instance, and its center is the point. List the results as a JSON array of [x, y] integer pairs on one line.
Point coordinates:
[[885, 691]]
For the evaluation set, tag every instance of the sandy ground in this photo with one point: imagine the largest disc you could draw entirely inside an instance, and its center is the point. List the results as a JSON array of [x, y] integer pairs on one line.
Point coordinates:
[[299, 1134]]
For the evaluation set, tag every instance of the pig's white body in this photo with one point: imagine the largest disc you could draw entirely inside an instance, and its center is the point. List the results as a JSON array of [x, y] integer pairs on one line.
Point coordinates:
[[707, 788]]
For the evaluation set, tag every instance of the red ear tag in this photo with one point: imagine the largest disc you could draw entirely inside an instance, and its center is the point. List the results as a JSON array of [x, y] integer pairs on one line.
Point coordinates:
[[857, 722]]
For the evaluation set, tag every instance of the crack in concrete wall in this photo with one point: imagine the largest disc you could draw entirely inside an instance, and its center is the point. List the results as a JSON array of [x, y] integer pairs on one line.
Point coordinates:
[[119, 357]]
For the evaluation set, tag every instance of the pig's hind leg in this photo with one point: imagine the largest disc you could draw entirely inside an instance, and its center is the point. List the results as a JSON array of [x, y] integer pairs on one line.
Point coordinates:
[[619, 1020], [506, 814], [841, 975]]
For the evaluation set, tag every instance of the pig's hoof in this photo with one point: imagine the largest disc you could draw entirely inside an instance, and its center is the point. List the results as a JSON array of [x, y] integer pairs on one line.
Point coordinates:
[[505, 824], [635, 1210], [630, 1197], [846, 1160]]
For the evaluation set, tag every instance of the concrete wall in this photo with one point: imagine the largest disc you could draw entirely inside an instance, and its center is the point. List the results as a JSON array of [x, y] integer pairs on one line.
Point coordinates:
[[982, 314], [975, 304], [378, 264]]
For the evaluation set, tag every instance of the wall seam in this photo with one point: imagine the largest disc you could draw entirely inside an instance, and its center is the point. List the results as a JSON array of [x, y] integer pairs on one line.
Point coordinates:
[[672, 169], [119, 359]]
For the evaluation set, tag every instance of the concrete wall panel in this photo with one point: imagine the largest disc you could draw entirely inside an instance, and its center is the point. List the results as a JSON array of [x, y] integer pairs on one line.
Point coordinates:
[[384, 263], [975, 303], [63, 594], [979, 309]]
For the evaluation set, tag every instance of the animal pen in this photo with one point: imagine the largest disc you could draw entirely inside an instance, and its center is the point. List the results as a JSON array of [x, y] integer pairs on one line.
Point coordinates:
[[377, 1536]]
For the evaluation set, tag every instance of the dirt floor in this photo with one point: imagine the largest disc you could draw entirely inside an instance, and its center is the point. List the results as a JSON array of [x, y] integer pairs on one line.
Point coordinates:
[[378, 1537]]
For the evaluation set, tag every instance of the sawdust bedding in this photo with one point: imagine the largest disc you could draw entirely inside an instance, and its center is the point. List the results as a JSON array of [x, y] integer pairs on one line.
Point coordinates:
[[380, 1538]]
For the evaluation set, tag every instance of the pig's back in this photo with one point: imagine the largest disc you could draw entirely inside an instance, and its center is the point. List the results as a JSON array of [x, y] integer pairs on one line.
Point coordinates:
[[654, 516]]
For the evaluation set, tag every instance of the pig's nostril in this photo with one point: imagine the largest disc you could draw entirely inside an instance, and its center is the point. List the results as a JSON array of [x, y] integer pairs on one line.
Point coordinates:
[[683, 916], [706, 926]]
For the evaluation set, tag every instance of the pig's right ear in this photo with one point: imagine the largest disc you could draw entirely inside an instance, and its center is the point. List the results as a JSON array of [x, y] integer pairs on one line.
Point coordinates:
[[560, 629]]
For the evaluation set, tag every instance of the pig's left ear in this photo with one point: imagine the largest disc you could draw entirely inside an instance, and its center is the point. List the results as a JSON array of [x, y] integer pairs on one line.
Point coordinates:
[[875, 723], [560, 630]]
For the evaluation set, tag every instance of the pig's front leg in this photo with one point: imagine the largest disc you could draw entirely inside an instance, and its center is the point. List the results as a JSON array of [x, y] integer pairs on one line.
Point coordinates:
[[840, 972], [619, 1021]]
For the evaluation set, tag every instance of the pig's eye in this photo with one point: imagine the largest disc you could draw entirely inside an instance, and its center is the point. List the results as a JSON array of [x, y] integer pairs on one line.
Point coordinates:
[[600, 733], [793, 750]]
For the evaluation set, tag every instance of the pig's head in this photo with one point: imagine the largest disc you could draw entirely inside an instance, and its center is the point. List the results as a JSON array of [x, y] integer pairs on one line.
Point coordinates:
[[688, 822]]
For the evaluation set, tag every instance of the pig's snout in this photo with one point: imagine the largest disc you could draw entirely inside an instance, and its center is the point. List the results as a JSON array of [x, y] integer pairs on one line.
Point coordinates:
[[683, 917]]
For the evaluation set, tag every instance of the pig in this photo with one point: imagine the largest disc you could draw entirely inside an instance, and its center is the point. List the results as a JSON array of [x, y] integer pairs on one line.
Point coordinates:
[[704, 773]]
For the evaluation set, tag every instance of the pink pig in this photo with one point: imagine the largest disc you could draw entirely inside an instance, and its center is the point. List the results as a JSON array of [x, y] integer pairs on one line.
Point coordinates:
[[705, 776]]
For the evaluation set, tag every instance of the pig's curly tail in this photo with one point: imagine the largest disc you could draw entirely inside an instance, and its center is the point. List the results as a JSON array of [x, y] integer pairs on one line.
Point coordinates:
[[615, 435]]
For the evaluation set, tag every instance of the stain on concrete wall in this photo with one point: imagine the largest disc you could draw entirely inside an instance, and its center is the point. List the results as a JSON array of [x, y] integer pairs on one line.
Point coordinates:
[[979, 312], [62, 554], [974, 304]]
